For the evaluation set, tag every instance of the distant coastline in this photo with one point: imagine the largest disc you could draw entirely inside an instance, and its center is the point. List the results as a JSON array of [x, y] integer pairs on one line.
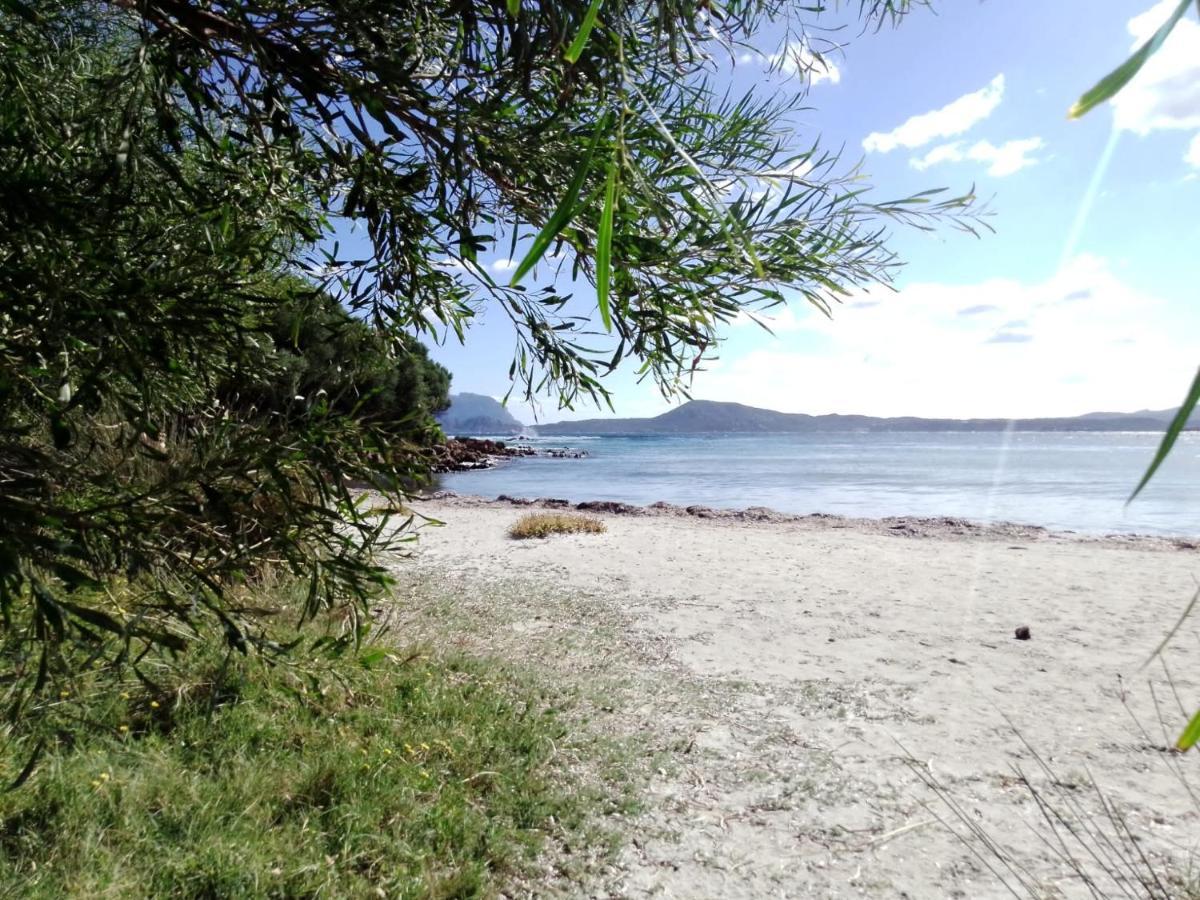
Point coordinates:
[[475, 414]]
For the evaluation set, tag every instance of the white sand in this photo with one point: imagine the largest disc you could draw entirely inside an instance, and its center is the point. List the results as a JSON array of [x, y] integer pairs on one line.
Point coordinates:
[[801, 657]]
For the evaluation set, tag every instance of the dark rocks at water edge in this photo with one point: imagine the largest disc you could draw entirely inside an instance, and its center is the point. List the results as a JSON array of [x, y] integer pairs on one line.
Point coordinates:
[[463, 454]]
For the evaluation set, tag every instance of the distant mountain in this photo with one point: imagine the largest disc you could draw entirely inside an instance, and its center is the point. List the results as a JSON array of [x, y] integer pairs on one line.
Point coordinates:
[[477, 414], [708, 417]]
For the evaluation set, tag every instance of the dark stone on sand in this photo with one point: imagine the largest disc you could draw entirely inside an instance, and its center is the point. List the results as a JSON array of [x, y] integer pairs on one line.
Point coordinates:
[[609, 506], [762, 514], [515, 501], [553, 503], [1023, 633]]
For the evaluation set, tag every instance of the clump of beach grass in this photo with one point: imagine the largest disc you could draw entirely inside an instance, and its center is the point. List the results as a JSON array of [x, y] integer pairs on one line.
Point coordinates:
[[540, 525]]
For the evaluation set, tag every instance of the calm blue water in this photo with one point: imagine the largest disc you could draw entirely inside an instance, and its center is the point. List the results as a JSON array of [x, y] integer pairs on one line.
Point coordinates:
[[1072, 481]]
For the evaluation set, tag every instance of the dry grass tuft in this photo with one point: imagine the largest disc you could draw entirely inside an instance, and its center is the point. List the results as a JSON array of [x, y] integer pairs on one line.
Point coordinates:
[[539, 525]]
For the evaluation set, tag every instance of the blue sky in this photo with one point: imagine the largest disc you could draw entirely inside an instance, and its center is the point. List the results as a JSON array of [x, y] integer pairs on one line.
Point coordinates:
[[1084, 299]]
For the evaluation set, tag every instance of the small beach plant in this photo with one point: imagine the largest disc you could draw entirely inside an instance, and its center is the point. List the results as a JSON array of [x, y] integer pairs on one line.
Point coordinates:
[[540, 525]]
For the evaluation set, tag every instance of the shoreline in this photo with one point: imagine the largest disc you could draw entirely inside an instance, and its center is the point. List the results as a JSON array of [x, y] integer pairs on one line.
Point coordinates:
[[924, 527]]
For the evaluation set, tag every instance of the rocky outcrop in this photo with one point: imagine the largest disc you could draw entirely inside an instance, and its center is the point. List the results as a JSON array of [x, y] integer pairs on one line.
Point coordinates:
[[463, 454]]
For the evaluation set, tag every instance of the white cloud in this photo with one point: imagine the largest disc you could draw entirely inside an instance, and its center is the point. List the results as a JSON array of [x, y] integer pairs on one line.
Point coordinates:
[[1165, 94], [1079, 341], [952, 119], [942, 153], [780, 319], [1009, 157], [502, 265], [797, 58], [1192, 157], [1006, 159]]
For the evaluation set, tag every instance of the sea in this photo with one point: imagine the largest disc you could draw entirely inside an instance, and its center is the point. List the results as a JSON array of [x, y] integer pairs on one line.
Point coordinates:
[[1066, 481]]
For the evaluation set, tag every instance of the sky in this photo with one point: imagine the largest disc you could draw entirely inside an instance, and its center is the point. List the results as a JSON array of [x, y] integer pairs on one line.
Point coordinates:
[[1084, 298]]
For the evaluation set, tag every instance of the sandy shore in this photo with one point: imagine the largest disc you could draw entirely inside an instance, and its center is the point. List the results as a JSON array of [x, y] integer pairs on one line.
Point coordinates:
[[802, 679]]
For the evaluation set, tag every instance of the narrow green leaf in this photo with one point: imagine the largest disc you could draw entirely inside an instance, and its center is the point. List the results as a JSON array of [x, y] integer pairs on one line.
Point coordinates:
[[373, 657], [514, 8], [563, 213], [604, 244], [30, 765], [1190, 735], [73, 578], [1111, 83], [585, 29], [1168, 440], [96, 617]]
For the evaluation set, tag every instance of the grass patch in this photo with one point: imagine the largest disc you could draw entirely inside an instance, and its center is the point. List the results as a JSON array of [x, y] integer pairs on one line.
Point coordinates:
[[540, 525], [387, 776]]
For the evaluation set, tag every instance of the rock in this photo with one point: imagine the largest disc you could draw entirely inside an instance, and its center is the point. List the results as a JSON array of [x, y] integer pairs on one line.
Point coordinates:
[[515, 501], [461, 454], [464, 453], [762, 514], [609, 506], [1023, 633], [553, 503], [563, 453]]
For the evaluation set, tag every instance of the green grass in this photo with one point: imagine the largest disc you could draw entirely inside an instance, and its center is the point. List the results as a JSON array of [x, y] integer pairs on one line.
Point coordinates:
[[408, 777]]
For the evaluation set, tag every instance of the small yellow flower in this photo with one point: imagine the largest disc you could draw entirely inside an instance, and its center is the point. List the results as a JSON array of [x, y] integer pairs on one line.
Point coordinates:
[[154, 704], [424, 746], [123, 728], [408, 748], [124, 695], [387, 751], [95, 784], [104, 776], [64, 694]]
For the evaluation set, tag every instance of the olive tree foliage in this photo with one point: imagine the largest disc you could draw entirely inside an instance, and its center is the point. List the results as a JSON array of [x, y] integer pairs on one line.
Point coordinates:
[[142, 286], [435, 126], [174, 172]]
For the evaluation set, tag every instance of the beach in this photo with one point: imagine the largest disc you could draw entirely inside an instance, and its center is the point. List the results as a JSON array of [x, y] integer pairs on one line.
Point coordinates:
[[820, 699]]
